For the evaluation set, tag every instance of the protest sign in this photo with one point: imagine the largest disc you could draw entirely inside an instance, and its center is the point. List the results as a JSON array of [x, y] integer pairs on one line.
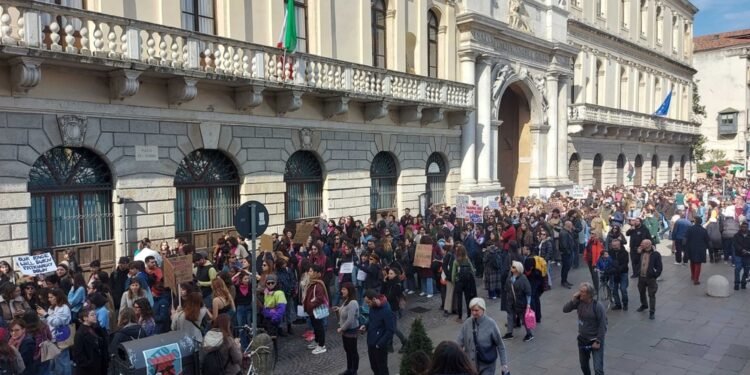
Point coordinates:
[[462, 201], [423, 256], [266, 242], [474, 213], [578, 192], [303, 231], [178, 270], [493, 205], [35, 264]]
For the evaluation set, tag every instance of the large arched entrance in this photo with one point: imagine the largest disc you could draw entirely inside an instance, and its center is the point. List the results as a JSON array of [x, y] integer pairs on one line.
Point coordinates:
[[514, 143]]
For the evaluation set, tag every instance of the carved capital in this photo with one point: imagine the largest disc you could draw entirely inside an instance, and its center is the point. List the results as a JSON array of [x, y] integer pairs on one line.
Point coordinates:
[[249, 97], [72, 129], [410, 113], [335, 106], [123, 83], [25, 74], [182, 89], [431, 115], [288, 101], [376, 110]]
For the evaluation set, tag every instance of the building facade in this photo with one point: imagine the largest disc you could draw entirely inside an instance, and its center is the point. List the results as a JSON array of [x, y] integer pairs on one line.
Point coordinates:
[[123, 120], [723, 79]]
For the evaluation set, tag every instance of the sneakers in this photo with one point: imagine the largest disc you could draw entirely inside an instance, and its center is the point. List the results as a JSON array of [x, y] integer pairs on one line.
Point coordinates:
[[312, 345], [429, 296], [410, 292], [508, 336], [422, 294], [528, 337], [677, 263], [642, 308], [319, 350], [651, 315]]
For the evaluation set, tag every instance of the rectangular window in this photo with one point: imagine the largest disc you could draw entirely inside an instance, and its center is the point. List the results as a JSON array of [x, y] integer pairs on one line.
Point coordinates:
[[300, 12], [728, 123], [198, 15]]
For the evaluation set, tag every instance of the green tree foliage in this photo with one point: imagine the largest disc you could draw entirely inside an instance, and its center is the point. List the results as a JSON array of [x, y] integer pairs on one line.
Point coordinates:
[[698, 148], [418, 341], [698, 109]]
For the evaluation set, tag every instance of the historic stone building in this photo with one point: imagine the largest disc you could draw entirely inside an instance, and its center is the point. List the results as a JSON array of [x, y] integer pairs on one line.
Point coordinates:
[[117, 122], [723, 63]]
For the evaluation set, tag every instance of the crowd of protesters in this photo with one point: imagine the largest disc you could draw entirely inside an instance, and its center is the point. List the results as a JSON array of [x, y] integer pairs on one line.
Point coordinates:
[[363, 272]]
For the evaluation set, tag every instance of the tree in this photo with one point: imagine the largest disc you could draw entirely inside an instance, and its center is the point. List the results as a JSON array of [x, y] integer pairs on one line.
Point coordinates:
[[418, 341], [717, 154], [698, 148], [698, 109]]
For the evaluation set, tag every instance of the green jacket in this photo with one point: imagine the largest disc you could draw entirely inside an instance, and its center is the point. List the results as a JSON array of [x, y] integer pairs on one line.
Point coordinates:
[[652, 224]]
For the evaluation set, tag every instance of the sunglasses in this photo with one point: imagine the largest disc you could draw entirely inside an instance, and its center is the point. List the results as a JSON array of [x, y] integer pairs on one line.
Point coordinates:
[[270, 283]]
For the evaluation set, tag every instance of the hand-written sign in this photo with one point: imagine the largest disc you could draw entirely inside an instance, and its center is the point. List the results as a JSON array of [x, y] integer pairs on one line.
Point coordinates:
[[302, 232], [35, 264], [423, 256], [462, 201], [266, 242], [178, 270], [474, 213]]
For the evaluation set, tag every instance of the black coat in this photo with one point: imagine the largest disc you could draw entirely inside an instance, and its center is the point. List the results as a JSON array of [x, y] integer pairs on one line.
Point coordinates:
[[654, 265], [88, 353], [621, 260], [637, 235], [696, 243]]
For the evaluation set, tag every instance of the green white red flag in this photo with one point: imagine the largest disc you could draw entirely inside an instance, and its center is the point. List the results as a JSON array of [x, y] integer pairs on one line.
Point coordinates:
[[288, 35]]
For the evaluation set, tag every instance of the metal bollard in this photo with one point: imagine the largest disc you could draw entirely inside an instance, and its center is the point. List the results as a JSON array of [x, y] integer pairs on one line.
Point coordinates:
[[263, 360]]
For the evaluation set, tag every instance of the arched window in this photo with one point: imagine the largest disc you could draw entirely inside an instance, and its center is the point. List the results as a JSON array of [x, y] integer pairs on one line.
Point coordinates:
[[384, 174], [620, 169], [598, 163], [670, 167], [432, 44], [683, 161], [378, 8], [71, 204], [655, 169], [436, 174], [304, 186], [208, 194], [638, 176], [574, 167]]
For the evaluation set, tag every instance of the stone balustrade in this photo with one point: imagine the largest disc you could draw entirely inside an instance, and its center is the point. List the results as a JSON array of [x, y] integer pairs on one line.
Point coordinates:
[[96, 38]]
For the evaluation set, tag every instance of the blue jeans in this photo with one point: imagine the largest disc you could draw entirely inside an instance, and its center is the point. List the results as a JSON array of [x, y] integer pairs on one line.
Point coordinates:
[[619, 287], [567, 261], [245, 317], [741, 263], [61, 364], [584, 355], [427, 283], [728, 247]]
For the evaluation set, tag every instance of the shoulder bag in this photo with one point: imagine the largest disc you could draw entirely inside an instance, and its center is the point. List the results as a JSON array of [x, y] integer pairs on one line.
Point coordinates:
[[486, 354], [320, 312]]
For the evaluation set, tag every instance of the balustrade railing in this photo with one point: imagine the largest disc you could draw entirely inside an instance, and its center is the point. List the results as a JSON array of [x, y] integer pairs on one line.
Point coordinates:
[[605, 115]]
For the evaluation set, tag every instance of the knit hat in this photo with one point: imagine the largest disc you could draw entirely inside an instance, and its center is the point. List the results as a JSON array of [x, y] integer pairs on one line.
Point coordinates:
[[271, 277], [478, 301], [518, 266]]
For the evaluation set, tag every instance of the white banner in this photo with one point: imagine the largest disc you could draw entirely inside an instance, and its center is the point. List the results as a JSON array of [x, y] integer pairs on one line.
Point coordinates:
[[35, 264], [462, 202]]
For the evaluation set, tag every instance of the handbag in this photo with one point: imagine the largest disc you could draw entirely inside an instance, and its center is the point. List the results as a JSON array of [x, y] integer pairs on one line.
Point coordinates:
[[48, 350], [321, 312], [484, 355], [64, 336]]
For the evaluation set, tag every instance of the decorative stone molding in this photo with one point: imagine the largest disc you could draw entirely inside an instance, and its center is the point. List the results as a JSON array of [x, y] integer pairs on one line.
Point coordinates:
[[335, 106], [306, 138], [376, 110], [410, 113], [459, 117], [123, 83], [518, 17], [498, 86], [72, 129], [25, 74], [249, 97], [432, 115], [182, 89], [288, 101]]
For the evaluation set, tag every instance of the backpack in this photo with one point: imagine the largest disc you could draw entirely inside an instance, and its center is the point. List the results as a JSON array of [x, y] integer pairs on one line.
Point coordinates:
[[465, 275], [213, 360], [494, 260], [541, 265]]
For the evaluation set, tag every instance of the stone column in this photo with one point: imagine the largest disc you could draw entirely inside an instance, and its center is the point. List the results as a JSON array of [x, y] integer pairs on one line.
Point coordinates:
[[552, 136], [468, 130], [562, 127], [495, 149], [484, 119]]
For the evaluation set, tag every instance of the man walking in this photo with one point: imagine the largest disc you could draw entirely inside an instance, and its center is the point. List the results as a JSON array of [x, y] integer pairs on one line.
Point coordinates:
[[592, 326], [638, 233], [568, 245], [649, 269], [741, 243], [619, 281], [696, 244], [380, 329], [679, 230]]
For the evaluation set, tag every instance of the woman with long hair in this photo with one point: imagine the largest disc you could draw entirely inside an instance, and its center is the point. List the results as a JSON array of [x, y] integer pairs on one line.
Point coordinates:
[[348, 313], [6, 273], [222, 302], [11, 302], [463, 277], [243, 300], [220, 338], [449, 359], [77, 295], [134, 292], [40, 333], [24, 343], [58, 317], [128, 329], [145, 315], [191, 318], [10, 358]]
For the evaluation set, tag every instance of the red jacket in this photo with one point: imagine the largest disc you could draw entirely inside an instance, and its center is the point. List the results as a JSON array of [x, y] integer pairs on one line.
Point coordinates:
[[507, 236], [315, 296]]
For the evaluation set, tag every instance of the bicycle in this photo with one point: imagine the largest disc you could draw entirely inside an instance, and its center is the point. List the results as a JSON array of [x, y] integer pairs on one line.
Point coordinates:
[[249, 355], [604, 293]]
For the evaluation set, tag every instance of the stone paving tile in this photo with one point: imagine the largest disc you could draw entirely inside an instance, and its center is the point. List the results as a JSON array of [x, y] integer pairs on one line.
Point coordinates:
[[683, 312]]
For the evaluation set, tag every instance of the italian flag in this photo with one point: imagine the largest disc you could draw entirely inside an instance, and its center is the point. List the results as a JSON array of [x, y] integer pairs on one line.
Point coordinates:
[[288, 35]]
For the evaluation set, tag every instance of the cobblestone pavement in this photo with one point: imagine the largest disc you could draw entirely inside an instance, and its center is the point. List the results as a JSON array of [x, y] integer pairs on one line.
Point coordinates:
[[692, 333]]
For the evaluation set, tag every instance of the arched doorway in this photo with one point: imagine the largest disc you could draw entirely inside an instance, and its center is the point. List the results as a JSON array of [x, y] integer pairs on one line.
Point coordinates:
[[620, 169], [436, 174], [655, 169], [670, 166], [598, 163], [71, 206], [574, 164], [514, 143], [683, 161], [207, 196], [383, 176], [638, 175], [303, 176]]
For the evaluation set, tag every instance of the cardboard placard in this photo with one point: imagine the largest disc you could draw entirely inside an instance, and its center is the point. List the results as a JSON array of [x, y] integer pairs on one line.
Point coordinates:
[[579, 192], [303, 231], [474, 213], [178, 270], [462, 201], [266, 242], [423, 256], [35, 264]]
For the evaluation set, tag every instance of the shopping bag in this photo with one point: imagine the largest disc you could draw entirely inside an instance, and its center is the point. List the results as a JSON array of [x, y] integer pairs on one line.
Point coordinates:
[[530, 318]]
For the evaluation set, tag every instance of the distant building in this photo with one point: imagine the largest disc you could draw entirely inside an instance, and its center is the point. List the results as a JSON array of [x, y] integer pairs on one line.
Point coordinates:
[[723, 63]]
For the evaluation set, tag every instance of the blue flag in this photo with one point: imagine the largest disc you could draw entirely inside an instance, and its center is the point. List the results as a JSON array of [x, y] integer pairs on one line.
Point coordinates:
[[664, 108]]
